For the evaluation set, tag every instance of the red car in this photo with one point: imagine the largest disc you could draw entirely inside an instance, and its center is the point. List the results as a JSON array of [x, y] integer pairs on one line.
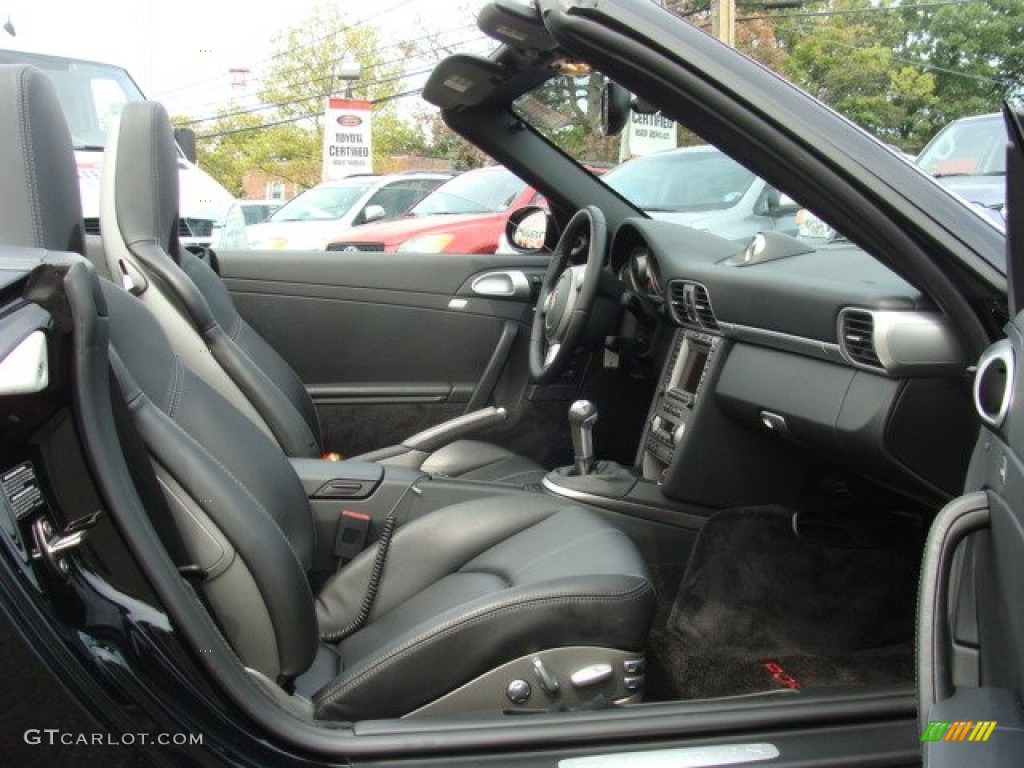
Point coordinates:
[[464, 215]]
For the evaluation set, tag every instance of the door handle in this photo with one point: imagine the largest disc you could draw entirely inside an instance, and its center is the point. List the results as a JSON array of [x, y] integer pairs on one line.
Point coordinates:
[[503, 284]]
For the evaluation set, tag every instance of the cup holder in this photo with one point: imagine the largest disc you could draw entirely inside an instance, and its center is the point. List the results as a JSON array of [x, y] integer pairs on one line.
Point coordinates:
[[993, 383]]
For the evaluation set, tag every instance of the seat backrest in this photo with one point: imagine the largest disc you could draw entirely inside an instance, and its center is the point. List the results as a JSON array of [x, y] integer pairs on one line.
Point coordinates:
[[139, 223], [39, 200], [242, 513]]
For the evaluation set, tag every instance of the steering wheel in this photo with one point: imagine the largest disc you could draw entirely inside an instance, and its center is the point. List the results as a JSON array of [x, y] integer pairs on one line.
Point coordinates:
[[567, 294]]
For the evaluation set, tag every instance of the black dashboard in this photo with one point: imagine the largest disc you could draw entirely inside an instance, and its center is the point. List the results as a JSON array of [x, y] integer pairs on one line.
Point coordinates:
[[819, 348]]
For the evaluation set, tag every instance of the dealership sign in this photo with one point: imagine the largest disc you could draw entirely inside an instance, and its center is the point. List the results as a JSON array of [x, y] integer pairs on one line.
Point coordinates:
[[646, 134], [347, 147]]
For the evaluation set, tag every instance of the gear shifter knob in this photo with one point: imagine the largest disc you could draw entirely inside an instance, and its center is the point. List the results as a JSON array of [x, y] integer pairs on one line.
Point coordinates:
[[582, 417]]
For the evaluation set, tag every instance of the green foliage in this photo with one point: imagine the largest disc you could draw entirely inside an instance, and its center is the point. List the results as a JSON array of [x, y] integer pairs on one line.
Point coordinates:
[[286, 139], [901, 73], [851, 63], [974, 51]]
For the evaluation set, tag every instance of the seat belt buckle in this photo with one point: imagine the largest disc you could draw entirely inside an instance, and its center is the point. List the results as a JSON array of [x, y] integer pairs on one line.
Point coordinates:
[[353, 528]]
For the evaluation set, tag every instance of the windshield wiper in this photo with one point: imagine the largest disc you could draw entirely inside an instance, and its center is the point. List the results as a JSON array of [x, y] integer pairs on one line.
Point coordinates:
[[88, 148]]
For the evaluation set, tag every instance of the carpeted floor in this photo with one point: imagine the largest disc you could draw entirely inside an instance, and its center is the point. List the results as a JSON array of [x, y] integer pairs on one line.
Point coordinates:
[[759, 608]]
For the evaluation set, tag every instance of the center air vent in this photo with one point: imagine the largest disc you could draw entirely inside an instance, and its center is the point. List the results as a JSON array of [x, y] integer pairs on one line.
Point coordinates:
[[691, 305], [857, 338]]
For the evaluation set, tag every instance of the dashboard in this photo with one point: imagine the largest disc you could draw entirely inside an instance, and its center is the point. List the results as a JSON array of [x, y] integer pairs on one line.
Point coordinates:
[[821, 348]]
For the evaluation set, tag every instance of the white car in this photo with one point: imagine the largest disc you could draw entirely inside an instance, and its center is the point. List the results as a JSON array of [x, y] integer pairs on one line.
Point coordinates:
[[311, 219]]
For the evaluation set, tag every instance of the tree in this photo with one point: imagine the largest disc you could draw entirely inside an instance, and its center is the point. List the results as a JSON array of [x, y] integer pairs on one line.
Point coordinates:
[[284, 136], [850, 62], [974, 52]]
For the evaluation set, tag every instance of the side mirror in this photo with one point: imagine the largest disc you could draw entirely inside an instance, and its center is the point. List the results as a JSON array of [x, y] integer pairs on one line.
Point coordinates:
[[186, 139], [786, 206], [531, 229], [615, 106], [775, 204], [373, 213]]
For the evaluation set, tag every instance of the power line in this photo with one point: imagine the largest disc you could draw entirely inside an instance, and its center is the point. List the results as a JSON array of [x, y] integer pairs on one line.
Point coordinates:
[[323, 79], [378, 65], [339, 30], [924, 65], [857, 11], [307, 116]]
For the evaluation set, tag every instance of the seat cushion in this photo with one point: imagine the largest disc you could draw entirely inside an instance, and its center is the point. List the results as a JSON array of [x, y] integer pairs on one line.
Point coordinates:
[[479, 584]]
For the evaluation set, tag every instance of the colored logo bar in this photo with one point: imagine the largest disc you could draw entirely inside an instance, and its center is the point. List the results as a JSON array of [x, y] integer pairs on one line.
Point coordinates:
[[958, 730]]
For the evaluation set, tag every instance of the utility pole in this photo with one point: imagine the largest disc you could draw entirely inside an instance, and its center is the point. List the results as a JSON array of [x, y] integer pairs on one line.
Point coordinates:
[[723, 21]]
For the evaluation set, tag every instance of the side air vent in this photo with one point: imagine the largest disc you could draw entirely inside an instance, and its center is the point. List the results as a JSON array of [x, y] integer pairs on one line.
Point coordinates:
[[857, 338], [691, 305]]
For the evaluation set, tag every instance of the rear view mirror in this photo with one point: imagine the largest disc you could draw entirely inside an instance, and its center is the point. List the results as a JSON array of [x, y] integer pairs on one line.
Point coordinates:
[[186, 139], [615, 106]]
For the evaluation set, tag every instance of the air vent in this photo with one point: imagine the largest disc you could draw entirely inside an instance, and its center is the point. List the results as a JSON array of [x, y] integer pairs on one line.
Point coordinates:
[[857, 338], [691, 305], [92, 225]]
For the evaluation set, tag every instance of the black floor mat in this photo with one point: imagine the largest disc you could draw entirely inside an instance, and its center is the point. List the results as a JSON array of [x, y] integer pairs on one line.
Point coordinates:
[[761, 609]]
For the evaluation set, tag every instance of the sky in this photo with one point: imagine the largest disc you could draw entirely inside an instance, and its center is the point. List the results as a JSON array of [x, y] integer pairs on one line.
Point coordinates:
[[180, 51]]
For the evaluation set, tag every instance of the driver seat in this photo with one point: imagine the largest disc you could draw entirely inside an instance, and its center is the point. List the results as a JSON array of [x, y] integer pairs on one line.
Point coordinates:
[[139, 225]]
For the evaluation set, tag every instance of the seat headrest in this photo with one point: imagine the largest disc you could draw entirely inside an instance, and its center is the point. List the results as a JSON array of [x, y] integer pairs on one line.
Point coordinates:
[[40, 205], [145, 203]]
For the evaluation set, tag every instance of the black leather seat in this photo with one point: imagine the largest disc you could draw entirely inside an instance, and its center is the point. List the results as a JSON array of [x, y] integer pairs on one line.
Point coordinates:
[[139, 221], [469, 591]]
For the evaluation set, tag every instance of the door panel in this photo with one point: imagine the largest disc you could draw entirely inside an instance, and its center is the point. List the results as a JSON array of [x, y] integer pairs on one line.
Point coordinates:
[[970, 622], [389, 344]]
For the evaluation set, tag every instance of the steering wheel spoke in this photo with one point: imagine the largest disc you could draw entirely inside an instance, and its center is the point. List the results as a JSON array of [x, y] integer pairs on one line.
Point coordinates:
[[554, 351]]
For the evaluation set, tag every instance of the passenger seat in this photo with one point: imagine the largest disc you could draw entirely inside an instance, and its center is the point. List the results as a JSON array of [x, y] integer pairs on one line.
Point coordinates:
[[139, 225]]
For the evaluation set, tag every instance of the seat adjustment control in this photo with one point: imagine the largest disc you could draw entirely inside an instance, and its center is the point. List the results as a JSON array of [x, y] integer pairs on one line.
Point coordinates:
[[592, 675], [547, 680], [518, 691], [633, 666], [633, 683]]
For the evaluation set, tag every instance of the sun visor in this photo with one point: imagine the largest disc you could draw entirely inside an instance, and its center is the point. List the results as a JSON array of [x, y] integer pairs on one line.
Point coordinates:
[[462, 80], [515, 23]]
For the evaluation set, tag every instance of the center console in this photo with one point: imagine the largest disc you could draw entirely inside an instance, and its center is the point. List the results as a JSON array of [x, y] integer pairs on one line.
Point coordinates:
[[682, 384]]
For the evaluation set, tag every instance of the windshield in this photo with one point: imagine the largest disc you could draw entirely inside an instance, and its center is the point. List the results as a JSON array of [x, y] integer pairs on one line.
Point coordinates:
[[91, 95], [488, 191], [969, 148], [323, 203], [690, 179]]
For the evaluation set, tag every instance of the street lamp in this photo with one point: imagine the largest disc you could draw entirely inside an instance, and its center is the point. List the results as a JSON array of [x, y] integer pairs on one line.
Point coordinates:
[[348, 70]]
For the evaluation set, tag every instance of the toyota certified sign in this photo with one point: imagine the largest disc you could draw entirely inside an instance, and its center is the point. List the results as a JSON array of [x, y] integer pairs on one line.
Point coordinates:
[[347, 141]]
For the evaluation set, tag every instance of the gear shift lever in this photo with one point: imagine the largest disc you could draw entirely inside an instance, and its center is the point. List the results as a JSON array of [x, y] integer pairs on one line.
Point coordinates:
[[582, 417]]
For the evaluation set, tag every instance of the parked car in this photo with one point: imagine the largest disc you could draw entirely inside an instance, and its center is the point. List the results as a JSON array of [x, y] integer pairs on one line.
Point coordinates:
[[91, 94], [310, 219], [465, 215], [256, 211], [689, 529], [968, 157], [704, 188]]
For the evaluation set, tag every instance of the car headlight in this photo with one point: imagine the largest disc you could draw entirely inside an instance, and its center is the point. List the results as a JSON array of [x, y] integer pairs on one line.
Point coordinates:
[[427, 243]]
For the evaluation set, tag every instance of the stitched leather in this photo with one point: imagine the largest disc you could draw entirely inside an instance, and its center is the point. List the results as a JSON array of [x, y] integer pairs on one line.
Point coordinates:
[[44, 211]]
